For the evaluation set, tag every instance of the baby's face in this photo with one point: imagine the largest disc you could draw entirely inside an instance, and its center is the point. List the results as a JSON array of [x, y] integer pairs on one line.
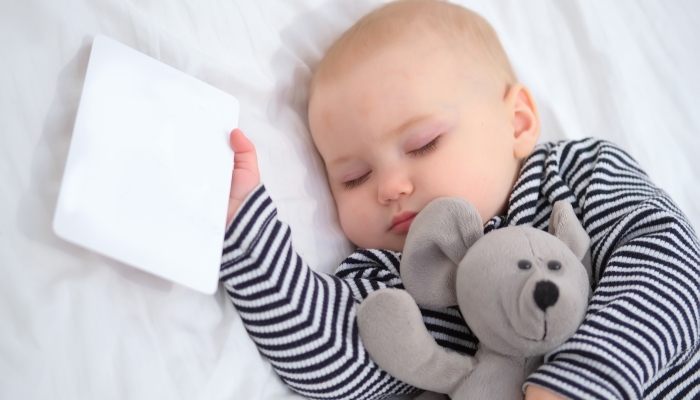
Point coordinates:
[[404, 126]]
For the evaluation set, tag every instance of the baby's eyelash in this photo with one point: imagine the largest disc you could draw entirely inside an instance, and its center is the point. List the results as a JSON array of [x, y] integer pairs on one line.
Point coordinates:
[[427, 148], [356, 182]]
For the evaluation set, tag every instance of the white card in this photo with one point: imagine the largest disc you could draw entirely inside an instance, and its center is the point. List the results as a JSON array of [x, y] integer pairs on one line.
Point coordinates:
[[149, 168]]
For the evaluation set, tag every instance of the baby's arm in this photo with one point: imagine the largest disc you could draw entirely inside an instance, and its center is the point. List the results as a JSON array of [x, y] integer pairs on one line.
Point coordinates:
[[641, 333], [303, 322]]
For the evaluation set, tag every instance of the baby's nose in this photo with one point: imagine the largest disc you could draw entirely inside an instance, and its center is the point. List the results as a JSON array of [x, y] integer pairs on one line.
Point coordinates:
[[546, 294], [394, 186]]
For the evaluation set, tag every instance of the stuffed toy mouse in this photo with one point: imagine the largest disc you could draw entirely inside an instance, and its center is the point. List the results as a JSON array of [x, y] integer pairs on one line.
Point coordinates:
[[522, 291]]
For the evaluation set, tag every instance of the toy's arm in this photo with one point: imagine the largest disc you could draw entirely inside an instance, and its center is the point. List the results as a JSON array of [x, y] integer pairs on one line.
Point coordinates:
[[366, 271], [303, 322], [644, 317], [393, 332]]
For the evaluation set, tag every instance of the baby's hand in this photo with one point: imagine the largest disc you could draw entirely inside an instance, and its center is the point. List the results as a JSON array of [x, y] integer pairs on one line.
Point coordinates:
[[245, 175]]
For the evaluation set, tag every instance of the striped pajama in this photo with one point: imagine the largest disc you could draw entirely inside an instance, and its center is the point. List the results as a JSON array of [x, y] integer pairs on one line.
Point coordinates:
[[640, 338]]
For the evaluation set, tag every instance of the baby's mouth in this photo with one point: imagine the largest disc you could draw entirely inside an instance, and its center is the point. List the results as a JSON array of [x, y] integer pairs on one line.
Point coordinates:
[[400, 223]]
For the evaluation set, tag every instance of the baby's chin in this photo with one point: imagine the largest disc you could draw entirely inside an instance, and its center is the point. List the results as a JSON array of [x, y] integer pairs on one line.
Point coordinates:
[[393, 242]]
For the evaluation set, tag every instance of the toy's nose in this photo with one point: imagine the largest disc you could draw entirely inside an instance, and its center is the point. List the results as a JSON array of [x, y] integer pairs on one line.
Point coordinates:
[[546, 294]]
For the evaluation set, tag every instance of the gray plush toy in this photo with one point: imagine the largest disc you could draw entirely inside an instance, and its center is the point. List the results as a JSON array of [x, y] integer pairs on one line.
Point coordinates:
[[522, 292]]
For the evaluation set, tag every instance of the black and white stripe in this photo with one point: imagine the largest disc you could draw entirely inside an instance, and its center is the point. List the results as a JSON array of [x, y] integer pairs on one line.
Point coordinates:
[[640, 337], [303, 322], [641, 331]]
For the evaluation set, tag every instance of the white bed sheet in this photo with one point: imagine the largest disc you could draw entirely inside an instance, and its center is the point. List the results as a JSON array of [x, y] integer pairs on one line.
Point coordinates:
[[76, 325]]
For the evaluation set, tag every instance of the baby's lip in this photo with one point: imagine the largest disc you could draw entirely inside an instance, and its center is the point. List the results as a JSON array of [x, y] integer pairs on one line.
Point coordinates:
[[401, 222]]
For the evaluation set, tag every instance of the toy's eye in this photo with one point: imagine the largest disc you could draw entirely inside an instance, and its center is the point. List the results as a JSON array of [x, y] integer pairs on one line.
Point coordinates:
[[524, 264], [554, 265]]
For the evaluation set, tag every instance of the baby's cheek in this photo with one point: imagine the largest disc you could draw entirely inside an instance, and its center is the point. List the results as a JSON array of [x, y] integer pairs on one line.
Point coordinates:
[[351, 214], [475, 186], [362, 226]]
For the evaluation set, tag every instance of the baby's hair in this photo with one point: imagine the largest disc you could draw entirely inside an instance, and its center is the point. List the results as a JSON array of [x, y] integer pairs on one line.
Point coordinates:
[[454, 24]]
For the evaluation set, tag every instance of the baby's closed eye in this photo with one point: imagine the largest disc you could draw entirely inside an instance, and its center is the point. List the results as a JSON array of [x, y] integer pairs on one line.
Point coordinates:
[[357, 181], [430, 146]]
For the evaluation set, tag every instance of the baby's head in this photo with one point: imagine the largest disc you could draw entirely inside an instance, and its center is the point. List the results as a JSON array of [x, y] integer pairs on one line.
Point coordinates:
[[418, 101]]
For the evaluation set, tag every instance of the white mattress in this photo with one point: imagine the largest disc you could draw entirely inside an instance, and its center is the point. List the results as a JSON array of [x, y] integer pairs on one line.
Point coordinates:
[[76, 325]]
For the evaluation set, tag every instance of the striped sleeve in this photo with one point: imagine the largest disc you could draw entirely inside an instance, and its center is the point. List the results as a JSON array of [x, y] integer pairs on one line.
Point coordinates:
[[368, 270], [642, 326], [303, 322]]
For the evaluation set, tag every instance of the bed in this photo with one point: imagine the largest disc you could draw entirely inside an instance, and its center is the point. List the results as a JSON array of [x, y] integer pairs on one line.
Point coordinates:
[[77, 325]]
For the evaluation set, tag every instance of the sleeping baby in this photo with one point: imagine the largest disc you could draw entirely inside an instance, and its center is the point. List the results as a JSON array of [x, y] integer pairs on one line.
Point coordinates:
[[417, 101]]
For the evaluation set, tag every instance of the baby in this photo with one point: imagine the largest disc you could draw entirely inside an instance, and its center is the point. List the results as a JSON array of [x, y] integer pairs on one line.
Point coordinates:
[[418, 101]]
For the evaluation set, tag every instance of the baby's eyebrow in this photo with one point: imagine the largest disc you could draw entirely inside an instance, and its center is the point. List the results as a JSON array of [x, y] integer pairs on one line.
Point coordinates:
[[415, 122], [338, 161], [442, 119]]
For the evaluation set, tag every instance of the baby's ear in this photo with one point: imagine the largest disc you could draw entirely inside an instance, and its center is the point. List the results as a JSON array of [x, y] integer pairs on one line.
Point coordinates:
[[525, 120], [437, 241], [565, 226]]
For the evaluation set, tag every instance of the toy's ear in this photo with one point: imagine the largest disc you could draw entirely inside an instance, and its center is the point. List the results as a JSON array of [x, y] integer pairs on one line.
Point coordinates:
[[437, 241], [565, 226]]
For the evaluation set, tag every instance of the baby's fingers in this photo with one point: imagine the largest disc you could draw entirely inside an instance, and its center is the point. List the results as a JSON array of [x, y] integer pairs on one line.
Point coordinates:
[[244, 152], [246, 175]]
